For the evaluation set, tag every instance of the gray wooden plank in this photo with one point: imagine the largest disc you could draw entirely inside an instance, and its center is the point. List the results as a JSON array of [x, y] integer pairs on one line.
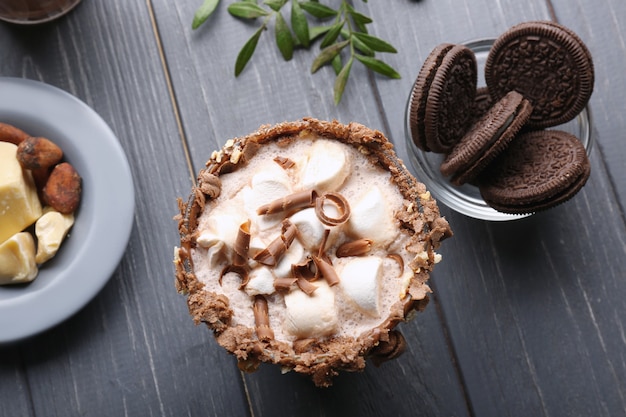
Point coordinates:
[[14, 384], [603, 30], [131, 350], [216, 106], [535, 308]]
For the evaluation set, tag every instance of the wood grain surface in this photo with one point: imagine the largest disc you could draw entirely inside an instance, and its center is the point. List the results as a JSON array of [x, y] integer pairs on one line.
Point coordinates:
[[527, 318]]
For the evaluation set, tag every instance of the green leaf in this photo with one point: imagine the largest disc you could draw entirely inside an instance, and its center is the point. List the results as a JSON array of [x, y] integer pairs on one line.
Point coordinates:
[[341, 80], [247, 50], [360, 46], [284, 40], [327, 55], [375, 43], [337, 64], [359, 19], [275, 5], [203, 13], [378, 66], [318, 10], [247, 10], [332, 34], [317, 31], [299, 24]]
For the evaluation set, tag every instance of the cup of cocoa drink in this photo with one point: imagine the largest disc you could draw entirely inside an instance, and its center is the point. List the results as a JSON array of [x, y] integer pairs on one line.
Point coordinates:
[[34, 11]]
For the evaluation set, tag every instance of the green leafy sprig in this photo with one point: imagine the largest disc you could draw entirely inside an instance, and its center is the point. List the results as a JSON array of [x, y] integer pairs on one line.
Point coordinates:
[[344, 40]]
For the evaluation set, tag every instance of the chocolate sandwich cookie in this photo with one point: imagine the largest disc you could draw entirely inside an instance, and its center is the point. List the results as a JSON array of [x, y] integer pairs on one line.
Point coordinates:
[[442, 99], [487, 138], [539, 170], [483, 102], [548, 64]]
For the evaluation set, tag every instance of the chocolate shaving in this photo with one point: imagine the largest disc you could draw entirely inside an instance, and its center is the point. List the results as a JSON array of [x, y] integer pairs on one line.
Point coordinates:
[[262, 319], [357, 247], [271, 255], [306, 286], [322, 249], [284, 162], [303, 269], [339, 201], [387, 350], [242, 244], [326, 270], [293, 201], [209, 184], [398, 259], [284, 284], [241, 270]]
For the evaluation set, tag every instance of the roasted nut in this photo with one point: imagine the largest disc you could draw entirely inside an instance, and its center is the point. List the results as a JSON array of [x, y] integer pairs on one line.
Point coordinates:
[[12, 134], [37, 152], [63, 189]]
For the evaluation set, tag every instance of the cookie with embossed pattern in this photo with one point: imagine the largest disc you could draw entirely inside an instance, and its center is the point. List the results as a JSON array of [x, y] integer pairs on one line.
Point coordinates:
[[546, 62], [483, 102], [442, 99], [487, 138], [539, 170]]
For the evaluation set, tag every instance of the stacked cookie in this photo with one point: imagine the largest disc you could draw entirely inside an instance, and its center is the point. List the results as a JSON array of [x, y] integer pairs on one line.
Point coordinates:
[[538, 75]]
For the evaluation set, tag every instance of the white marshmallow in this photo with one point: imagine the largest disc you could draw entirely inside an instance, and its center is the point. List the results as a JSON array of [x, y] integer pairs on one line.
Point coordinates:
[[327, 166], [372, 218], [311, 230], [221, 228], [311, 315], [294, 255], [361, 282], [261, 281], [270, 183]]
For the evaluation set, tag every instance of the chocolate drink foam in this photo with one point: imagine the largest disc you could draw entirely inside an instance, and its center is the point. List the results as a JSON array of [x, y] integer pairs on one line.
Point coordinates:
[[301, 191]]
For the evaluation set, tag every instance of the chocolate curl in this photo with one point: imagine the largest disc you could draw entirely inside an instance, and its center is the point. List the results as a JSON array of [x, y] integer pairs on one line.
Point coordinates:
[[240, 270], [242, 244], [293, 201], [277, 248], [339, 201], [285, 163], [390, 349], [262, 319], [322, 249], [398, 259], [357, 247], [284, 284], [303, 270], [326, 270], [306, 286]]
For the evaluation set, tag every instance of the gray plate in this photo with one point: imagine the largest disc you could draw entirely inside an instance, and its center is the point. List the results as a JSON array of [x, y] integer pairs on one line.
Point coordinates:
[[98, 239]]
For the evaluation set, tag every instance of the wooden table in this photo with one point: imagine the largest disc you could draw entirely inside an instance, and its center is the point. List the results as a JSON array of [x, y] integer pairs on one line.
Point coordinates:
[[527, 318]]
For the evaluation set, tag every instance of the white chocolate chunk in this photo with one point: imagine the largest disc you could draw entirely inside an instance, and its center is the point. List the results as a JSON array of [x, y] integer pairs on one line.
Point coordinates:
[[19, 203], [311, 315], [51, 229], [261, 281], [361, 282], [372, 218], [327, 166], [17, 259]]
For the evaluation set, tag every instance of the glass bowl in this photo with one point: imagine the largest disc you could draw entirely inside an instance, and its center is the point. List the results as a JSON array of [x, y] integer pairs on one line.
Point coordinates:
[[466, 199]]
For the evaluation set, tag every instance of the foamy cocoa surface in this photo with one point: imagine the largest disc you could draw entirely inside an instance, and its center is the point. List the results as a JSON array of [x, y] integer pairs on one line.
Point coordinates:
[[357, 236], [361, 177]]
